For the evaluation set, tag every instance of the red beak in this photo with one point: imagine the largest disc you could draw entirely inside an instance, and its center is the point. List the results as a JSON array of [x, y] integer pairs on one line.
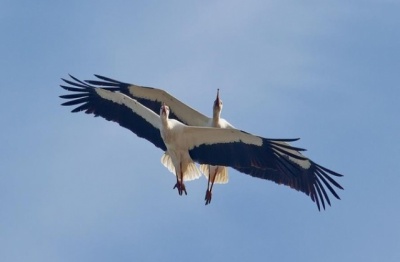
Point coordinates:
[[217, 101], [163, 109]]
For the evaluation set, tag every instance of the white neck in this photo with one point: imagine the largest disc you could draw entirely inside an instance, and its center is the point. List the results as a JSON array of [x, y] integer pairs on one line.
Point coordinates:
[[216, 116], [164, 121]]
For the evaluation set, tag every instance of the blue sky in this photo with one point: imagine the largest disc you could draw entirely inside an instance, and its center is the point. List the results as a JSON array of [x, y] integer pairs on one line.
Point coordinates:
[[76, 188]]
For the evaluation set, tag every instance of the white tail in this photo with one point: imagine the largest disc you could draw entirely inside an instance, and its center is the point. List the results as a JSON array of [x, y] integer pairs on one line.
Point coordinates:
[[220, 171], [191, 173]]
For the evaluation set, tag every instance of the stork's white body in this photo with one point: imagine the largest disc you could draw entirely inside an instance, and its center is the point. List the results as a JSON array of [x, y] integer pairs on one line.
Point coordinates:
[[177, 158]]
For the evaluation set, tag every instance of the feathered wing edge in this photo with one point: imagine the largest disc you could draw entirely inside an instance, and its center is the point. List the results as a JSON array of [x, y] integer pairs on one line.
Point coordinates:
[[315, 181], [152, 98], [306, 175], [88, 99]]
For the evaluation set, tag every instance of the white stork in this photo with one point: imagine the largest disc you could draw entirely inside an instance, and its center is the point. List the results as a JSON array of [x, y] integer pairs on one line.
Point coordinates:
[[264, 158], [152, 98]]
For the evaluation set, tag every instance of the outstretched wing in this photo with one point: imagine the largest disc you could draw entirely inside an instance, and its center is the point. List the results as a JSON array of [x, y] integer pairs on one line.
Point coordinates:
[[153, 98], [315, 181], [114, 106], [270, 159]]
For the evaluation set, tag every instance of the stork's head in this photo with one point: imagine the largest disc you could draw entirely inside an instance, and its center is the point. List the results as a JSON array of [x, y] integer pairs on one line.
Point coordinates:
[[218, 103], [164, 110]]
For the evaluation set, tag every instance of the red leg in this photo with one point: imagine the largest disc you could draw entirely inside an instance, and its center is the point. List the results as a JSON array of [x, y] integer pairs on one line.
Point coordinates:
[[183, 188], [179, 184], [209, 188]]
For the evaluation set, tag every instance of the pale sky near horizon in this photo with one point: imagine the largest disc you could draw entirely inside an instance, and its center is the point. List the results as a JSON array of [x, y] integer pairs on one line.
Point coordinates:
[[78, 188]]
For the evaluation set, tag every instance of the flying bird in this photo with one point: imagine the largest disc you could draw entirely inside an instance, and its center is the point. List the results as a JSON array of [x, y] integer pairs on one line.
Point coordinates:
[[282, 164], [215, 146], [153, 97]]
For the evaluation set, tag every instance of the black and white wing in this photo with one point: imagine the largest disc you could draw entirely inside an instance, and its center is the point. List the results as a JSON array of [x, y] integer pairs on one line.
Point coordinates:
[[270, 159], [315, 181], [152, 98], [114, 106]]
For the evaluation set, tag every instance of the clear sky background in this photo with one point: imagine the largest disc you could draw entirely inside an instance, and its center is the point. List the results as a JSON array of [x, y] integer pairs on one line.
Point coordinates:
[[78, 188]]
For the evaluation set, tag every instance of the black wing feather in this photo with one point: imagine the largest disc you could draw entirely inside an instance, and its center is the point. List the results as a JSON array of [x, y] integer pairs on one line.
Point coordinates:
[[312, 181], [115, 85], [92, 103]]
